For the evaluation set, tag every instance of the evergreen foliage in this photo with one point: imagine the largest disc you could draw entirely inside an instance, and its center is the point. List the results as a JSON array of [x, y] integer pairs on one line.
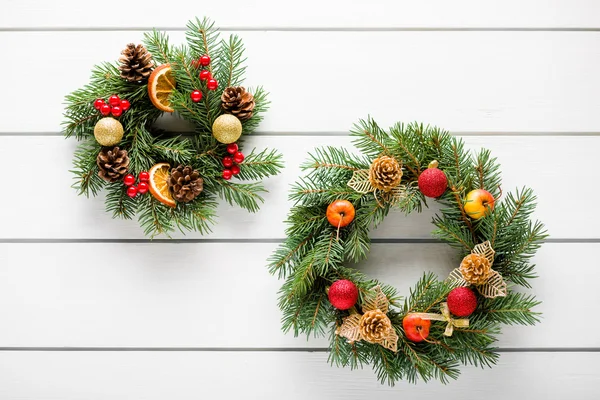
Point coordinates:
[[312, 257]]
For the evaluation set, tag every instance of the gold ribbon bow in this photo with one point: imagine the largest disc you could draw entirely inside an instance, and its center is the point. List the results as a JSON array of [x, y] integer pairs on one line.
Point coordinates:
[[445, 316]]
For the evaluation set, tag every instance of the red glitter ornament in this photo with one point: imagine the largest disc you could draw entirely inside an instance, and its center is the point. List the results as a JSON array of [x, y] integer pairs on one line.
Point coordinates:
[[462, 302], [343, 294], [433, 181]]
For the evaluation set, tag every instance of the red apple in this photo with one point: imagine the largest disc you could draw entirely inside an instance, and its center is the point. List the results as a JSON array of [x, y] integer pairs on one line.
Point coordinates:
[[416, 328], [479, 203], [340, 213]]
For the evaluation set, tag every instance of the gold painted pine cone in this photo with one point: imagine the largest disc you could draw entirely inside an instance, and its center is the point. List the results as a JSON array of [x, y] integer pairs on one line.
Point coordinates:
[[238, 101], [374, 326], [113, 164], [475, 269], [185, 183], [136, 63], [385, 173]]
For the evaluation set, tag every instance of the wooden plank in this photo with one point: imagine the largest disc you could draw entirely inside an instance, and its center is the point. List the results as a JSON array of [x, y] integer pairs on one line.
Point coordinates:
[[559, 169], [219, 295], [463, 81], [313, 14], [276, 375]]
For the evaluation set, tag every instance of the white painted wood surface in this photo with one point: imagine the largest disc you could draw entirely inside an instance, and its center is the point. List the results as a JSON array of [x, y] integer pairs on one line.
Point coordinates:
[[518, 77]]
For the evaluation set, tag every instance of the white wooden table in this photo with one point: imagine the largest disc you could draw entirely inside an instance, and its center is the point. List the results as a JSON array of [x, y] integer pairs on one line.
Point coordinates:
[[89, 309]]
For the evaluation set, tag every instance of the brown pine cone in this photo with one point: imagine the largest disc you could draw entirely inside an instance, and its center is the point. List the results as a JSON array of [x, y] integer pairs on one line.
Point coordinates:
[[374, 326], [185, 183], [239, 102], [136, 63], [112, 164], [475, 269], [385, 173]]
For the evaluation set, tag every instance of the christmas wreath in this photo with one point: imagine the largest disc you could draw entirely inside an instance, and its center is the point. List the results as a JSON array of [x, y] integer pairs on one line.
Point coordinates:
[[442, 323], [123, 152]]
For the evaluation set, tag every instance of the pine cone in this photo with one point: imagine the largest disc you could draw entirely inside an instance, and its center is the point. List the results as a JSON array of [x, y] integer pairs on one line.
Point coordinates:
[[374, 326], [385, 173], [239, 102], [185, 183], [136, 63], [475, 269], [112, 164]]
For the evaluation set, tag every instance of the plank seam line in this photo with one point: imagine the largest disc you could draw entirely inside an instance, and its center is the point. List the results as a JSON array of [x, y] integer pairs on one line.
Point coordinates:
[[248, 240], [269, 349], [335, 133], [306, 29]]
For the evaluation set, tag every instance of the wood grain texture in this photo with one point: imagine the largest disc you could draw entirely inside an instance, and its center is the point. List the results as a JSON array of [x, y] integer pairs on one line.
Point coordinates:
[[464, 81], [219, 295], [272, 376], [535, 161], [313, 14]]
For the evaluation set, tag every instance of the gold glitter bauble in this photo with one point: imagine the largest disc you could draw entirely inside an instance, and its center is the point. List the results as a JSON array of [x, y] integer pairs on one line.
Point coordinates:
[[227, 128], [108, 131]]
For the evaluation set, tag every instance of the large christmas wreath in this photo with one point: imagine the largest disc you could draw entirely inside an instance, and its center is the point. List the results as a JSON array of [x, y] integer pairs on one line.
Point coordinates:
[[442, 323], [122, 152]]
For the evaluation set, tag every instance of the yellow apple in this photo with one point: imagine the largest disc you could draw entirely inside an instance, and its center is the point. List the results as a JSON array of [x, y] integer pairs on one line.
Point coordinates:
[[479, 203]]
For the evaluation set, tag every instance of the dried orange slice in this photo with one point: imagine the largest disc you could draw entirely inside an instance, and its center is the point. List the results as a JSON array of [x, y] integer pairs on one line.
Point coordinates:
[[159, 186], [160, 85]]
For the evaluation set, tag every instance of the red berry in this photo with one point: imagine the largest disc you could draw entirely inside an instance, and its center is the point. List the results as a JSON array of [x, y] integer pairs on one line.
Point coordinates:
[[227, 162], [114, 100], [196, 96], [462, 302], [204, 74], [144, 176], [227, 174], [142, 187], [212, 84], [132, 191], [105, 109], [204, 60], [343, 294], [433, 181], [98, 103], [196, 63], [116, 111], [235, 169], [125, 105], [129, 180], [232, 148], [238, 157]]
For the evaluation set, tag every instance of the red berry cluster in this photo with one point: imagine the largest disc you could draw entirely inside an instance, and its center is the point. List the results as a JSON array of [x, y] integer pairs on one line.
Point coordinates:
[[114, 106], [231, 163], [205, 75], [141, 188]]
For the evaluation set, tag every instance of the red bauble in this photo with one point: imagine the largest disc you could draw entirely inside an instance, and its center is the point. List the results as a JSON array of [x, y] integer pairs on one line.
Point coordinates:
[[232, 148], [238, 157], [144, 176], [125, 105], [212, 84], [132, 191], [114, 100], [196, 96], [129, 180], [105, 109], [98, 103], [204, 74], [227, 162], [143, 187], [227, 174], [343, 294], [462, 302], [235, 169], [116, 111], [433, 181], [204, 60]]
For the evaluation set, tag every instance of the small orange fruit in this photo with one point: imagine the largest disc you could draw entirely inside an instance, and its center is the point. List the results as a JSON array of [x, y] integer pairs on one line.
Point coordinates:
[[340, 213], [159, 186], [160, 85]]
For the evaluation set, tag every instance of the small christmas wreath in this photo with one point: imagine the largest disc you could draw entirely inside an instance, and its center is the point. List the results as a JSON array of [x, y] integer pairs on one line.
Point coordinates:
[[121, 151], [442, 323]]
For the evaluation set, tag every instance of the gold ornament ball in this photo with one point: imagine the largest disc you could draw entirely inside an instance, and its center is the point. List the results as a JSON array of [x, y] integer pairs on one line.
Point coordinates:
[[108, 131], [227, 128]]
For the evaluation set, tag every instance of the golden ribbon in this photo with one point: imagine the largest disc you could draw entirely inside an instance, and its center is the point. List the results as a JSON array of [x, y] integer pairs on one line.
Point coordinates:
[[445, 316]]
